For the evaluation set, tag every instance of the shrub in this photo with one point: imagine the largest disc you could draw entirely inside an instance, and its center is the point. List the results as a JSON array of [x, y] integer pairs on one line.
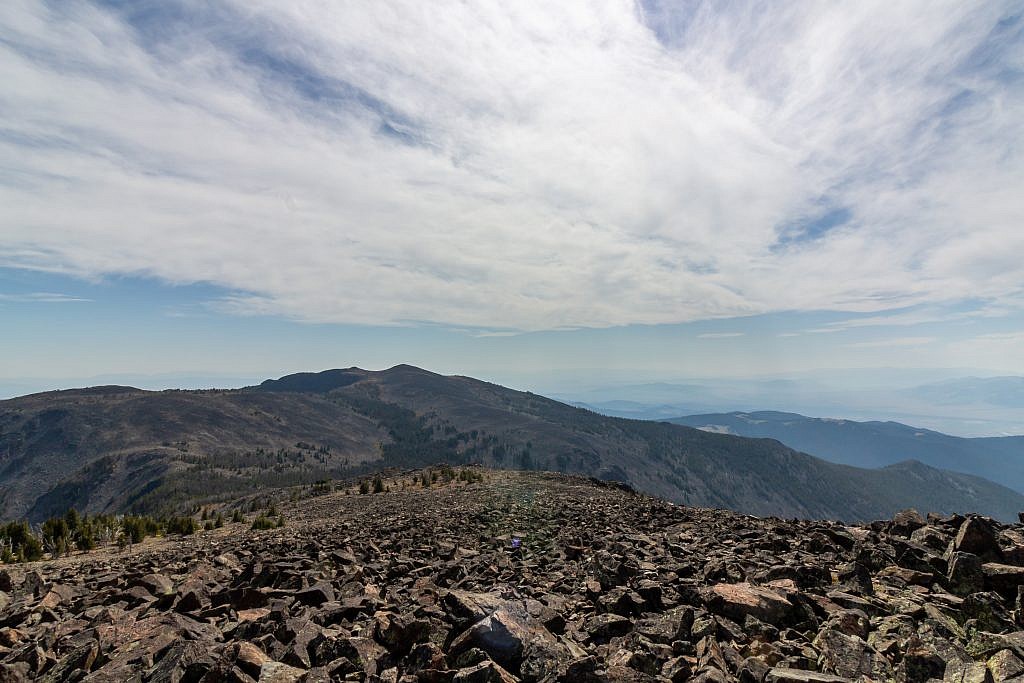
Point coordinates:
[[262, 523], [364, 487], [137, 528], [378, 485], [186, 526], [19, 542], [57, 536], [84, 539]]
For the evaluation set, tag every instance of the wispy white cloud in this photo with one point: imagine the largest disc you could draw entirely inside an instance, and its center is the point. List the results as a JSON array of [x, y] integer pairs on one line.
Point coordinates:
[[719, 335], [495, 334], [520, 165], [1002, 336], [42, 298], [894, 342], [928, 315]]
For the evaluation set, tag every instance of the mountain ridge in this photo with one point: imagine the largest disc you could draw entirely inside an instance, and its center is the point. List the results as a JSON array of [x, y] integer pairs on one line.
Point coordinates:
[[124, 449], [875, 443]]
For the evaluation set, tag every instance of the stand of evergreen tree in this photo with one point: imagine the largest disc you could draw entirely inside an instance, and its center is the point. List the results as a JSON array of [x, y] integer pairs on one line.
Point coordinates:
[[61, 535]]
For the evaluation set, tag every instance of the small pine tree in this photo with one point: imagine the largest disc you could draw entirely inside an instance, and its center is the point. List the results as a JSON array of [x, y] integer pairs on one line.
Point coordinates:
[[364, 487], [378, 485], [85, 540], [186, 526]]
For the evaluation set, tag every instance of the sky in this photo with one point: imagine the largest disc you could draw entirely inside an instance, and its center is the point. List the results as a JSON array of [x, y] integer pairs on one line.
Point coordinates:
[[219, 191]]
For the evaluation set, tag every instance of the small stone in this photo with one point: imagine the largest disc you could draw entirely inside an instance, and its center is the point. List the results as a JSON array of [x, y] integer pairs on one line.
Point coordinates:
[[848, 656], [317, 594], [677, 670], [9, 637], [158, 585], [255, 614], [466, 607], [277, 672], [250, 658], [604, 626], [782, 675], [189, 601], [852, 622], [485, 672], [907, 521], [1005, 665]]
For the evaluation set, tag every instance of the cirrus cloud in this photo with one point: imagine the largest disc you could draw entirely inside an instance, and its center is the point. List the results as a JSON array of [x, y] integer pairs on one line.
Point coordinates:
[[519, 166]]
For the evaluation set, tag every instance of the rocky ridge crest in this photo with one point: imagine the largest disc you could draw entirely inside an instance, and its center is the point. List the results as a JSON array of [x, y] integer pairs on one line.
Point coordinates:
[[528, 577]]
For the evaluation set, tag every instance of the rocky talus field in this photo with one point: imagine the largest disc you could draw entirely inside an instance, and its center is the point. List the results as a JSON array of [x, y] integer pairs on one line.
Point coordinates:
[[526, 577]]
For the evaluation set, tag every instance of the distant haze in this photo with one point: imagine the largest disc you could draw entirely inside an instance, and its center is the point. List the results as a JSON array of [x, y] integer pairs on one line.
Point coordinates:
[[958, 405]]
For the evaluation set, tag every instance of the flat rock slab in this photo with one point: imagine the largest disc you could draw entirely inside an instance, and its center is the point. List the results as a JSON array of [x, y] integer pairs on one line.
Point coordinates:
[[738, 600], [779, 675]]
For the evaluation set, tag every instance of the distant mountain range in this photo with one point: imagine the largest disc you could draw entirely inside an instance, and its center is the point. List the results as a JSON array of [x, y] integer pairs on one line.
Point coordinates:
[[875, 444], [965, 406], [119, 448]]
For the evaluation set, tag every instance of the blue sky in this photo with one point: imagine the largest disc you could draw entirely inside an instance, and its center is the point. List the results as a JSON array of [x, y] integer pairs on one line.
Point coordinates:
[[679, 189]]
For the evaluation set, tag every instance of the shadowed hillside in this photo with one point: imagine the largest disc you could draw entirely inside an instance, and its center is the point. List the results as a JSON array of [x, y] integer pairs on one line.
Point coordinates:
[[876, 444], [118, 448]]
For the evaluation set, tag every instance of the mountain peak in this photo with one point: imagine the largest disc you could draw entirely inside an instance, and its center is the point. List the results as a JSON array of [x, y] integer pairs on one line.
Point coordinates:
[[314, 382]]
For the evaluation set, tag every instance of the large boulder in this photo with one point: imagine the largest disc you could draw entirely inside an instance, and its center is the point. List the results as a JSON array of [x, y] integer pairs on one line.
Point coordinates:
[[1003, 578], [738, 600], [517, 642], [978, 537], [965, 573]]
